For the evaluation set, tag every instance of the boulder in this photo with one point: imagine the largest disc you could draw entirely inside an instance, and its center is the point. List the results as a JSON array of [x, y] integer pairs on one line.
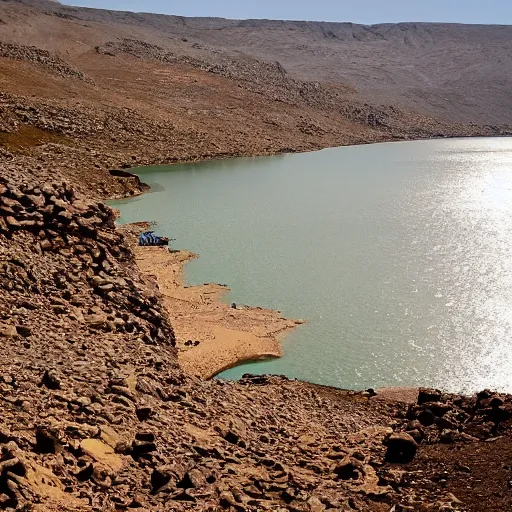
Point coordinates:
[[349, 469], [7, 330], [401, 448], [426, 395]]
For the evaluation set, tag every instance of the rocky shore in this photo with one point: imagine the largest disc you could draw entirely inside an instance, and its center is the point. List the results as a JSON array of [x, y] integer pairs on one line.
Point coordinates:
[[98, 413]]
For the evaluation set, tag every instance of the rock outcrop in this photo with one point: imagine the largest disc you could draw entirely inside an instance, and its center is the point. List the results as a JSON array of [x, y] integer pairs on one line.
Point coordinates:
[[41, 58], [63, 243]]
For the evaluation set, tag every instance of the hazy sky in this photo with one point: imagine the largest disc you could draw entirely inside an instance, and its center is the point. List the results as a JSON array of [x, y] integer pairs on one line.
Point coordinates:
[[358, 11]]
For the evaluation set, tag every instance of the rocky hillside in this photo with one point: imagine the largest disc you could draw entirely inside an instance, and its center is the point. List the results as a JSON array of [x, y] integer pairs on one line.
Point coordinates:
[[456, 73], [97, 414]]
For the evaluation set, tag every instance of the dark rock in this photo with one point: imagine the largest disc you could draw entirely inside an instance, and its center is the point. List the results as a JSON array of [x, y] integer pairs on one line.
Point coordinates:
[[426, 395], [160, 477], [254, 379], [349, 469], [496, 402], [232, 437], [51, 380], [401, 448], [445, 424], [482, 395], [13, 466], [24, 330], [448, 436], [46, 442], [140, 448], [145, 436], [426, 417], [497, 415], [439, 409], [417, 434], [143, 413], [85, 473]]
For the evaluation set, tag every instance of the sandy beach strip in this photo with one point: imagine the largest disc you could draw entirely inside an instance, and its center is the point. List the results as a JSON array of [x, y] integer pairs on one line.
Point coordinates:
[[226, 336], [408, 395]]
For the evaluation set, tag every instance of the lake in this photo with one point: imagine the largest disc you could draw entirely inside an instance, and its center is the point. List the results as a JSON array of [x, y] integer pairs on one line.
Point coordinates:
[[398, 255]]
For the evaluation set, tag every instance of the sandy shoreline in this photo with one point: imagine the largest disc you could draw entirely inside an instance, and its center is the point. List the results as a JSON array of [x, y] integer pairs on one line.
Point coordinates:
[[226, 336]]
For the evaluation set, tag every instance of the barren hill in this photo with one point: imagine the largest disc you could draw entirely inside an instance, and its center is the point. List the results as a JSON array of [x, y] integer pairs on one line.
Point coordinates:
[[146, 88], [456, 73]]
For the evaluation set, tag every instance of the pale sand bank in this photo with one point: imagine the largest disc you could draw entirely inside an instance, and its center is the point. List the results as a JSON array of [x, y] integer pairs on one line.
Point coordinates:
[[227, 336], [398, 394]]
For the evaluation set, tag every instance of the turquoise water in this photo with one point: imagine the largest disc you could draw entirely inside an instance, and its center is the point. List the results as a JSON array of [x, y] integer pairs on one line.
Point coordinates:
[[399, 256]]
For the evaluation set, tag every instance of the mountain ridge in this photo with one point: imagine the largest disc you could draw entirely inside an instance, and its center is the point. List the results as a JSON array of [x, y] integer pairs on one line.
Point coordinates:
[[453, 72]]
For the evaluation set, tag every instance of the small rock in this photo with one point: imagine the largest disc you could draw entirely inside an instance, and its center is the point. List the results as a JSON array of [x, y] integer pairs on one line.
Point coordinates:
[[439, 409], [160, 477], [85, 473], [45, 441], [8, 331], [12, 222], [141, 448], [496, 402], [192, 479], [426, 418], [83, 401], [227, 499], [122, 391], [143, 413], [59, 310], [401, 448], [124, 447], [102, 453], [24, 330], [315, 505], [445, 423], [232, 437], [145, 436], [349, 469], [482, 395], [426, 395], [183, 495], [51, 380], [448, 436]]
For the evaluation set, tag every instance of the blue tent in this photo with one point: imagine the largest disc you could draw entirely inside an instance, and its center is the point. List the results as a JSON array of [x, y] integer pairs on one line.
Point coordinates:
[[149, 238]]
